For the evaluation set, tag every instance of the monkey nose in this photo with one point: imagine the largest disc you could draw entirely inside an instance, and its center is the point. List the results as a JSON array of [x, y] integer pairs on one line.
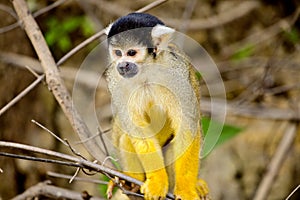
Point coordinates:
[[127, 69]]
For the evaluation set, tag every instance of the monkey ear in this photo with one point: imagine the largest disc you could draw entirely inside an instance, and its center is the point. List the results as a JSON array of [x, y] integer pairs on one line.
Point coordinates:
[[107, 29], [161, 36]]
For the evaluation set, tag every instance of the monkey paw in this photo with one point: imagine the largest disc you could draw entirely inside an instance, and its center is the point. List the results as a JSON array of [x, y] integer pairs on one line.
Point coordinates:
[[186, 195], [202, 189], [155, 188], [192, 192]]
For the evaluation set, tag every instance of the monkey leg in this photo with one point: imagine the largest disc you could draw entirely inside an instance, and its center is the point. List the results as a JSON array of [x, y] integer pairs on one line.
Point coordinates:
[[150, 155], [129, 159], [186, 167]]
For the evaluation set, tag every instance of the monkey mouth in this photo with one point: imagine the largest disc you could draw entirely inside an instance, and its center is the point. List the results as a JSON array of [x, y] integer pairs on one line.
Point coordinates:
[[127, 70]]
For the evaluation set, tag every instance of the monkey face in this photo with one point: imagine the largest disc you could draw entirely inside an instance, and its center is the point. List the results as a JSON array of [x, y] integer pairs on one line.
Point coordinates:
[[136, 41], [127, 61]]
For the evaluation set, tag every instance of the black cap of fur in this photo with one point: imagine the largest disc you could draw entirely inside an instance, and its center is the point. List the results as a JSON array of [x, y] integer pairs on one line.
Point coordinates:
[[135, 21]]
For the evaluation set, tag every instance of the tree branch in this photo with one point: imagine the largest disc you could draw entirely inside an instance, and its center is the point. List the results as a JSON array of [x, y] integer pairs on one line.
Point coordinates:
[[64, 159], [53, 79], [276, 162], [225, 17], [50, 191]]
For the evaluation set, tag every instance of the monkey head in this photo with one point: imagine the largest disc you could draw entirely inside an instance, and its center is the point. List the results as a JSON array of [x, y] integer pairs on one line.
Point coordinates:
[[135, 39]]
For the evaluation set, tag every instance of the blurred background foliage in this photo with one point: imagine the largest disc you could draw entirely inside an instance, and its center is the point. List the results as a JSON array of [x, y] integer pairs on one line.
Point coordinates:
[[256, 51]]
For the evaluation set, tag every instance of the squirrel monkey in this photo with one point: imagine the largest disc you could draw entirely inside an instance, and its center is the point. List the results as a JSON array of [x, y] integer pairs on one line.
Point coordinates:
[[155, 102]]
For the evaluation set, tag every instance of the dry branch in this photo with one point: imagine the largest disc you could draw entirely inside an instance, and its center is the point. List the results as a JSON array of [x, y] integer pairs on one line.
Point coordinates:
[[255, 111], [55, 83], [60, 158], [240, 10], [21, 94], [276, 162], [46, 190], [88, 180], [64, 159]]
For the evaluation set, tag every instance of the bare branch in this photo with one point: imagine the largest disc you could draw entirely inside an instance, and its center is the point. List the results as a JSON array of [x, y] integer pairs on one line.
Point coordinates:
[[255, 111], [51, 133], [21, 94], [263, 35], [276, 162], [48, 8], [53, 79], [36, 14], [46, 190], [291, 194], [151, 5], [236, 12], [74, 161], [89, 180], [8, 10], [66, 160], [67, 72], [80, 46]]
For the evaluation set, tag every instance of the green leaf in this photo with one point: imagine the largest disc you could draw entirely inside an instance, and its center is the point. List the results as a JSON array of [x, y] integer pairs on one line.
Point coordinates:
[[87, 27], [103, 188], [64, 43], [71, 24], [51, 37], [52, 23], [244, 52], [227, 133], [293, 35]]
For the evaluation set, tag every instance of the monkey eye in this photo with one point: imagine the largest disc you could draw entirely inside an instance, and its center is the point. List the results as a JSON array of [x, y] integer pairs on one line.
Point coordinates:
[[118, 53], [131, 52]]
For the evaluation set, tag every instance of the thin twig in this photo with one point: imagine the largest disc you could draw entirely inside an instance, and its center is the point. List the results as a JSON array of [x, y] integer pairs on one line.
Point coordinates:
[[31, 71], [52, 192], [100, 132], [22, 94], [263, 35], [88, 180], [51, 133], [276, 162], [187, 14], [36, 14], [8, 10], [48, 8], [75, 174], [33, 158], [9, 27], [238, 11], [290, 195], [73, 150], [151, 5], [92, 137], [80, 46], [67, 72], [255, 111]]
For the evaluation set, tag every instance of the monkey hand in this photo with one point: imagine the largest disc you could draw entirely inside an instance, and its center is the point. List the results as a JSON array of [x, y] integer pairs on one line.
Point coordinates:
[[156, 185]]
